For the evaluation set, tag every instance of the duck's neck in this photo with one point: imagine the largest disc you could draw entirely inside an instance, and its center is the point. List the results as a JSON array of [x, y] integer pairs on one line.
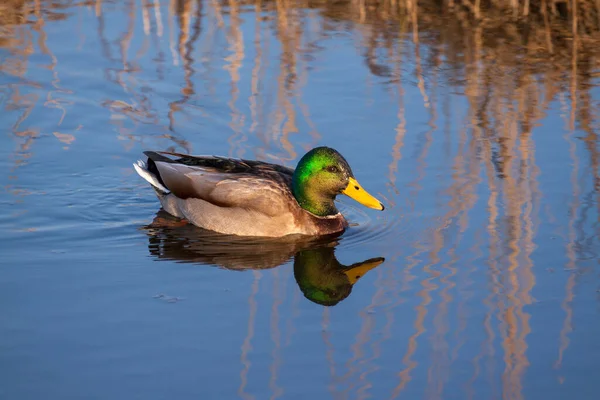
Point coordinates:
[[311, 200]]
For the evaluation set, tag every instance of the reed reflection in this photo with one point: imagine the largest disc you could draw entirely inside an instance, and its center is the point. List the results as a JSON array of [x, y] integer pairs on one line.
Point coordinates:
[[318, 273], [509, 78]]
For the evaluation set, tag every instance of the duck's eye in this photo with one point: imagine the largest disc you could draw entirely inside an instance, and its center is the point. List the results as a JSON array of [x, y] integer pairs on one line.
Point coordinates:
[[333, 169]]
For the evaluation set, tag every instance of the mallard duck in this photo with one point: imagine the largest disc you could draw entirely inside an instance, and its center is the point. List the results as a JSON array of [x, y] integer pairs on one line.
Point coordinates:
[[255, 198]]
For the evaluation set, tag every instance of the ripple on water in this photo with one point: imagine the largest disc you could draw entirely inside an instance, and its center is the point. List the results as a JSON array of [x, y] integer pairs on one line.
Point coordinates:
[[365, 230]]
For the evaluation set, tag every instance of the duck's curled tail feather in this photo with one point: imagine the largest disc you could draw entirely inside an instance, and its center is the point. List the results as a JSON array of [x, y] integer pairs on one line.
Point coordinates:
[[145, 171]]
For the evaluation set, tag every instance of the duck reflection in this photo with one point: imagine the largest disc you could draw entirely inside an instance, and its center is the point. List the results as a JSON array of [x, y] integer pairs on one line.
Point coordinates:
[[323, 280], [318, 273]]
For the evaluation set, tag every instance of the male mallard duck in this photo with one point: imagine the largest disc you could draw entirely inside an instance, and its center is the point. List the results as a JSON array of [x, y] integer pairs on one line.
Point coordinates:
[[255, 198]]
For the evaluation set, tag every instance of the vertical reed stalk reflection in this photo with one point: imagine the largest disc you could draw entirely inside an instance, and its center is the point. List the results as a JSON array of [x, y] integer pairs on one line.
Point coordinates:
[[509, 78], [276, 390], [247, 344]]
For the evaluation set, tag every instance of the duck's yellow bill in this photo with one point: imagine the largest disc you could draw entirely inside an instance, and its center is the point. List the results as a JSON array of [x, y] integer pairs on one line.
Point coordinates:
[[357, 271], [355, 191]]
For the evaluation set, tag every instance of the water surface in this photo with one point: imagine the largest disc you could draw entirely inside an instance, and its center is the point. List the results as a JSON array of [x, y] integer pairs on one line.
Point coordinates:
[[480, 280]]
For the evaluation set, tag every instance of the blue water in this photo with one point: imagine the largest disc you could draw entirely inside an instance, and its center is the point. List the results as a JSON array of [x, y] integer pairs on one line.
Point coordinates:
[[489, 288]]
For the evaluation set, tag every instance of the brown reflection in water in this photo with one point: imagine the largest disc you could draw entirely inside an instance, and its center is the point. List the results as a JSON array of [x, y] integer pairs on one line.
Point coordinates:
[[472, 92], [255, 100], [20, 22], [133, 107], [15, 36], [297, 34], [234, 63], [289, 34], [513, 347], [413, 6], [482, 128], [51, 100], [566, 326], [293, 315], [387, 297], [26, 137], [329, 353], [458, 33], [277, 391], [185, 10], [465, 178], [509, 76], [400, 127], [137, 108], [106, 50], [405, 374], [517, 194], [573, 212], [360, 384], [466, 286], [247, 344], [580, 111]]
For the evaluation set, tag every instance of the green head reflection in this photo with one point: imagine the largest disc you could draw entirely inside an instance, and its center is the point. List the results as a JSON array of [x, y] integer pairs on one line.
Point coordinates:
[[323, 280]]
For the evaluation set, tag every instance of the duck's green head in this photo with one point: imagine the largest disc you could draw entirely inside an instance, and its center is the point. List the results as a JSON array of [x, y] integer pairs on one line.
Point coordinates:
[[320, 176]]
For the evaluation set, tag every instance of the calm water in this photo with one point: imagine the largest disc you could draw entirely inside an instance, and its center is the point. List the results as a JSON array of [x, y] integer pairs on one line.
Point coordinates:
[[480, 280]]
